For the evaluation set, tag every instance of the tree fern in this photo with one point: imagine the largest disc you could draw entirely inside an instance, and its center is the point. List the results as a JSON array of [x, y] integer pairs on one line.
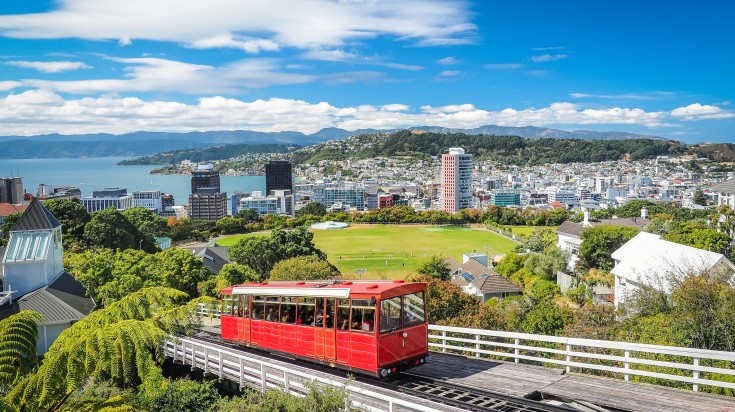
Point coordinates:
[[120, 343], [18, 345]]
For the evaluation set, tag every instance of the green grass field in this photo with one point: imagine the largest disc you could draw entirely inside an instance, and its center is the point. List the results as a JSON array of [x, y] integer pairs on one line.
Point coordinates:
[[526, 230], [394, 251]]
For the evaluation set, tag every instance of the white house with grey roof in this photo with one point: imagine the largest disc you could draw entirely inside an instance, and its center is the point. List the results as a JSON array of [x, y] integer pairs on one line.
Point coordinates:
[[33, 276], [649, 260], [479, 280]]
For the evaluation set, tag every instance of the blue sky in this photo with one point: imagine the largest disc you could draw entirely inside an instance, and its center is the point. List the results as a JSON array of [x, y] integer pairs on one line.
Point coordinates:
[[655, 67]]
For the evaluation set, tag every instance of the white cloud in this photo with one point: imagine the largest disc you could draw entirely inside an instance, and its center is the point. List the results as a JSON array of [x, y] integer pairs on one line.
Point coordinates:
[[448, 61], [43, 111], [548, 48], [252, 25], [329, 55], [9, 85], [49, 67], [503, 66], [449, 73], [401, 66], [124, 41], [548, 57], [697, 111], [625, 96]]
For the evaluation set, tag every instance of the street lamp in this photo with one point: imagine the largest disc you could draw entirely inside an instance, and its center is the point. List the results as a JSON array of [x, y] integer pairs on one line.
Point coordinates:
[[140, 244], [360, 272]]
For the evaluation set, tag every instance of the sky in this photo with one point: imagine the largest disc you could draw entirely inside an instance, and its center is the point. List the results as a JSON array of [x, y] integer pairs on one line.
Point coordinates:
[[655, 67]]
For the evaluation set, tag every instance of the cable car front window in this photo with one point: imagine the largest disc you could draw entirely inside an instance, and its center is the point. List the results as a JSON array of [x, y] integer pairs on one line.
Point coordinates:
[[227, 305], [413, 309], [390, 314]]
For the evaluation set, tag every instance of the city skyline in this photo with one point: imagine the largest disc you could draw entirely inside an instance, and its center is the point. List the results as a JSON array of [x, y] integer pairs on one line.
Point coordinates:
[[74, 66]]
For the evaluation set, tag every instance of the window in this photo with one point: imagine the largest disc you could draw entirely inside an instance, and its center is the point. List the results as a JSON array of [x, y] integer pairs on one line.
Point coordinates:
[[390, 314], [343, 314], [258, 308], [413, 309], [305, 312], [363, 316], [288, 310], [227, 305], [244, 306], [324, 313], [271, 308]]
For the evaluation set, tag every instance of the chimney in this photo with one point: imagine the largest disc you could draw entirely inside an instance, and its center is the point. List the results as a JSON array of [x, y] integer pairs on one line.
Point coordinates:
[[644, 213]]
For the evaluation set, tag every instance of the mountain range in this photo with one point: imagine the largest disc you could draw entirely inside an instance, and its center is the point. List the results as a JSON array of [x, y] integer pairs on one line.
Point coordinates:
[[146, 143]]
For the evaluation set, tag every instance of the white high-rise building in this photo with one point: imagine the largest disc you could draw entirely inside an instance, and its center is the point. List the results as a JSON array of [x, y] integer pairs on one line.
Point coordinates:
[[456, 180]]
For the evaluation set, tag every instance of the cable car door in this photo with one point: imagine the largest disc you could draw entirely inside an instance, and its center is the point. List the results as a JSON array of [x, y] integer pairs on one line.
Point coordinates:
[[325, 336], [243, 319]]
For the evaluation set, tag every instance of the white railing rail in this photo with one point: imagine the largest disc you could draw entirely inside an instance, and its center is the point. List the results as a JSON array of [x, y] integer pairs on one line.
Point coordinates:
[[585, 354], [623, 358], [249, 371]]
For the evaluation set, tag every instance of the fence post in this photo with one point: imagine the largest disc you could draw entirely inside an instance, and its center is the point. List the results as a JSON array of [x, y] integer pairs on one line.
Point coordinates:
[[263, 380], [285, 382], [221, 366], [695, 375], [517, 350], [444, 341], [242, 372], [477, 346], [626, 365], [569, 358], [176, 349]]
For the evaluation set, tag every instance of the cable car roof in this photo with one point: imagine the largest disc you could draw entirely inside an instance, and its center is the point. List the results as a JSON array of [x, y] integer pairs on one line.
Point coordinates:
[[338, 289]]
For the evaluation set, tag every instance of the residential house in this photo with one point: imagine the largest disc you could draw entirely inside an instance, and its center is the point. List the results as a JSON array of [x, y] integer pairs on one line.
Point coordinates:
[[649, 260], [33, 276], [480, 280], [214, 257]]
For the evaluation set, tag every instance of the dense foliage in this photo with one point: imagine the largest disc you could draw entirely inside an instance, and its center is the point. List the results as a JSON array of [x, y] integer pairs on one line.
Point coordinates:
[[211, 153]]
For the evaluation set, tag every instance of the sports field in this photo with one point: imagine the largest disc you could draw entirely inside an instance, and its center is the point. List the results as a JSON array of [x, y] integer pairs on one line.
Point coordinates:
[[393, 251]]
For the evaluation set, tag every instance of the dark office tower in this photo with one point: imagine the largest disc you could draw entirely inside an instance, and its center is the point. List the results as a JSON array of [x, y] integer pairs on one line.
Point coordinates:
[[204, 177], [11, 190], [278, 176]]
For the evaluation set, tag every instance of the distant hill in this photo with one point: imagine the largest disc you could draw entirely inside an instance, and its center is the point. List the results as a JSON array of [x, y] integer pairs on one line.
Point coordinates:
[[146, 143], [212, 153], [719, 152]]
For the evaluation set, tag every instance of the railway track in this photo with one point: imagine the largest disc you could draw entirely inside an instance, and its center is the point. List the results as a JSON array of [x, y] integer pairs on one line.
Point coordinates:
[[463, 397]]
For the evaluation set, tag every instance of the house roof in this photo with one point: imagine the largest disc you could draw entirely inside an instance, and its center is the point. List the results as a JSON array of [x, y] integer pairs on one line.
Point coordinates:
[[728, 186], [575, 229], [214, 257], [649, 259], [6, 209], [62, 301], [481, 276], [494, 283], [36, 217]]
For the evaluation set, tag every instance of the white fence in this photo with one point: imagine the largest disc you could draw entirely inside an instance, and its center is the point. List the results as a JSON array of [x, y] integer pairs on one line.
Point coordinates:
[[690, 366], [249, 371], [622, 358]]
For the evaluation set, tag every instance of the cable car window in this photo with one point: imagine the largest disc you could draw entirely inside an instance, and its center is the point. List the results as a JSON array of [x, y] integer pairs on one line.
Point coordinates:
[[363, 316], [305, 312], [244, 306], [271, 308], [330, 313], [413, 309], [390, 314], [227, 305], [288, 310], [258, 307], [343, 314]]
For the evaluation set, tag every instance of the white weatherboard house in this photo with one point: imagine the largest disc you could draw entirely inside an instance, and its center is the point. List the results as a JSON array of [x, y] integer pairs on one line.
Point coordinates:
[[649, 260], [33, 276]]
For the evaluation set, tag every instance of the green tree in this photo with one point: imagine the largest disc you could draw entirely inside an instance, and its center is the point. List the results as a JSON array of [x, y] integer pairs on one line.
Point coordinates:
[[303, 268], [181, 270], [148, 222], [111, 229], [436, 268], [699, 198], [312, 208], [510, 264], [598, 244], [231, 274], [72, 215], [230, 225], [697, 234], [247, 215], [185, 395], [547, 319], [9, 222], [18, 346], [539, 240]]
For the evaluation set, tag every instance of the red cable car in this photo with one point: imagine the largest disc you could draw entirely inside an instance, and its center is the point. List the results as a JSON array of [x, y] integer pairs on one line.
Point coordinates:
[[371, 327]]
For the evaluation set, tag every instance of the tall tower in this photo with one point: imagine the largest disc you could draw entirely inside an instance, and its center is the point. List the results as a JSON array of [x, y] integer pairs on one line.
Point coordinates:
[[456, 180], [206, 202], [278, 176]]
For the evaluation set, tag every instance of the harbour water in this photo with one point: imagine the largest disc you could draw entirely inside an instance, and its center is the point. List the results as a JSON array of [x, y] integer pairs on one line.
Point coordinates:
[[93, 173]]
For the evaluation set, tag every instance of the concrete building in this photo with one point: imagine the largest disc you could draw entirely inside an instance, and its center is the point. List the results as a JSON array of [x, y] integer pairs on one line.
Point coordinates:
[[108, 197], [456, 180], [278, 176], [353, 196], [11, 190], [206, 202], [46, 192], [149, 199], [505, 197], [279, 202]]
